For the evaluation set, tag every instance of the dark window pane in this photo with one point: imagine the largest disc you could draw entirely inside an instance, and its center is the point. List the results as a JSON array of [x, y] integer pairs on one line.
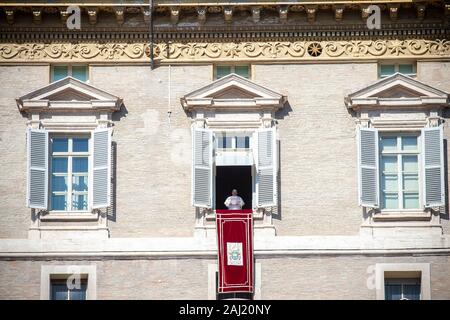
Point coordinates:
[[387, 70], [59, 164], [406, 69], [411, 291], [243, 71], [80, 72], [393, 291], [80, 145], [58, 291], [59, 183], [222, 71], [59, 202], [79, 164], [243, 142], [59, 72], [60, 145], [79, 293]]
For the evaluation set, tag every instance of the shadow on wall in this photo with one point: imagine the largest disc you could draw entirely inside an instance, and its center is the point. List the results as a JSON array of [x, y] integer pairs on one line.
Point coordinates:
[[445, 213], [284, 111], [111, 211]]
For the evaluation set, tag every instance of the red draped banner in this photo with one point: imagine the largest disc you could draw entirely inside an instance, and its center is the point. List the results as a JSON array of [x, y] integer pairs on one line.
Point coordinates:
[[235, 244]]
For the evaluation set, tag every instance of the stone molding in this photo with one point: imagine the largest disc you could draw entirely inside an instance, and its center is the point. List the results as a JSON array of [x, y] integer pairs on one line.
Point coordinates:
[[188, 52]]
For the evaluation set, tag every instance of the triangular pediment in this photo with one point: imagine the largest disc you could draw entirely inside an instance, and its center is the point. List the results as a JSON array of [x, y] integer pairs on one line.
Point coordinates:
[[397, 90], [233, 91], [76, 93]]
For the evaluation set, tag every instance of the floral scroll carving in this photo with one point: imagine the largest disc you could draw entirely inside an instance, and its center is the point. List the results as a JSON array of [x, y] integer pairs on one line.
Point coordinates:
[[182, 52]]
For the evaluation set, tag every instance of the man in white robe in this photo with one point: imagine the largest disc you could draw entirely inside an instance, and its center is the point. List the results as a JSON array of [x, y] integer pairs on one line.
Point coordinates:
[[234, 202]]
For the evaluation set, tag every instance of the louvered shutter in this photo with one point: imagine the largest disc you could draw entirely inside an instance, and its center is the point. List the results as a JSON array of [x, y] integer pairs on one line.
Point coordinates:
[[368, 168], [202, 181], [433, 164], [266, 166], [37, 176], [101, 181]]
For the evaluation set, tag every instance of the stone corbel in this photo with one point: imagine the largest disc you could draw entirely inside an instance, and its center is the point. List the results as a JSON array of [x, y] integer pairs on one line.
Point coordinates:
[[92, 14], [201, 15], [174, 14], [433, 118], [420, 11], [9, 16], [146, 12], [37, 15], [311, 13], [120, 15], [393, 11], [256, 14], [447, 10], [283, 12], [338, 12], [228, 14]]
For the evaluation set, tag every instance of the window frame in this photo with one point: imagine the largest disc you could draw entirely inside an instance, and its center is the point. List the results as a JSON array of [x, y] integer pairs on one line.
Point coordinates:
[[400, 155], [69, 70], [70, 154], [397, 68], [56, 272], [403, 268], [232, 69]]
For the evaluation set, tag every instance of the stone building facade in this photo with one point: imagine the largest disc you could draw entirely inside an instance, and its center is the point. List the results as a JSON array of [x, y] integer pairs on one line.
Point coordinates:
[[119, 140]]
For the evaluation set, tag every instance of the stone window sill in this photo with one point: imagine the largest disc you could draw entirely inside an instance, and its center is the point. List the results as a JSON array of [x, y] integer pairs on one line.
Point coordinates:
[[402, 215], [70, 216]]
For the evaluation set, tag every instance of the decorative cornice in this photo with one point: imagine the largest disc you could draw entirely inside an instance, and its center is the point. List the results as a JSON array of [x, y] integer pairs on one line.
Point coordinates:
[[182, 52], [174, 9]]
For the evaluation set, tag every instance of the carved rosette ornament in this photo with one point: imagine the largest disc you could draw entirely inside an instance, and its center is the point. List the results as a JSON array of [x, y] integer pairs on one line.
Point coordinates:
[[227, 51]]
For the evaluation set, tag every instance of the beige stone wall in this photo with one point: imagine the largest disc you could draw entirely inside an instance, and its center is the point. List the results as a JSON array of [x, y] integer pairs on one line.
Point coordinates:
[[311, 277], [438, 74], [16, 80], [317, 144], [153, 155]]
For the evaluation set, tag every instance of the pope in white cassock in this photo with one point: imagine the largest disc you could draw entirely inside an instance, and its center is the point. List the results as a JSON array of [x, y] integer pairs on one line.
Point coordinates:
[[234, 202]]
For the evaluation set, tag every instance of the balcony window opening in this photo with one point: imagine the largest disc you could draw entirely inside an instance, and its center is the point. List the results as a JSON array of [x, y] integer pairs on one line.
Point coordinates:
[[234, 177]]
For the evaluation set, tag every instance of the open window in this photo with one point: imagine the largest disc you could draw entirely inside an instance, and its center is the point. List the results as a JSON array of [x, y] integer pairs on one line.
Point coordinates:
[[242, 160]]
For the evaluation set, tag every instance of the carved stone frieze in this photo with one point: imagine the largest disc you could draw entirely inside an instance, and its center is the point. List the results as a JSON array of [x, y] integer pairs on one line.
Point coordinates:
[[226, 51]]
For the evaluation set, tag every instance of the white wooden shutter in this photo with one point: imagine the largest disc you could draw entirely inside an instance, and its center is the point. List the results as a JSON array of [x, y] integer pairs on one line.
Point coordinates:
[[369, 195], [37, 163], [202, 179], [433, 164], [101, 180], [266, 167]]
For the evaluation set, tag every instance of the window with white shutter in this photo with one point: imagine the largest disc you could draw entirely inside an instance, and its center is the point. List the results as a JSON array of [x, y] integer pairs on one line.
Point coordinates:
[[101, 180], [368, 167], [37, 154], [433, 164], [266, 167], [202, 182]]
